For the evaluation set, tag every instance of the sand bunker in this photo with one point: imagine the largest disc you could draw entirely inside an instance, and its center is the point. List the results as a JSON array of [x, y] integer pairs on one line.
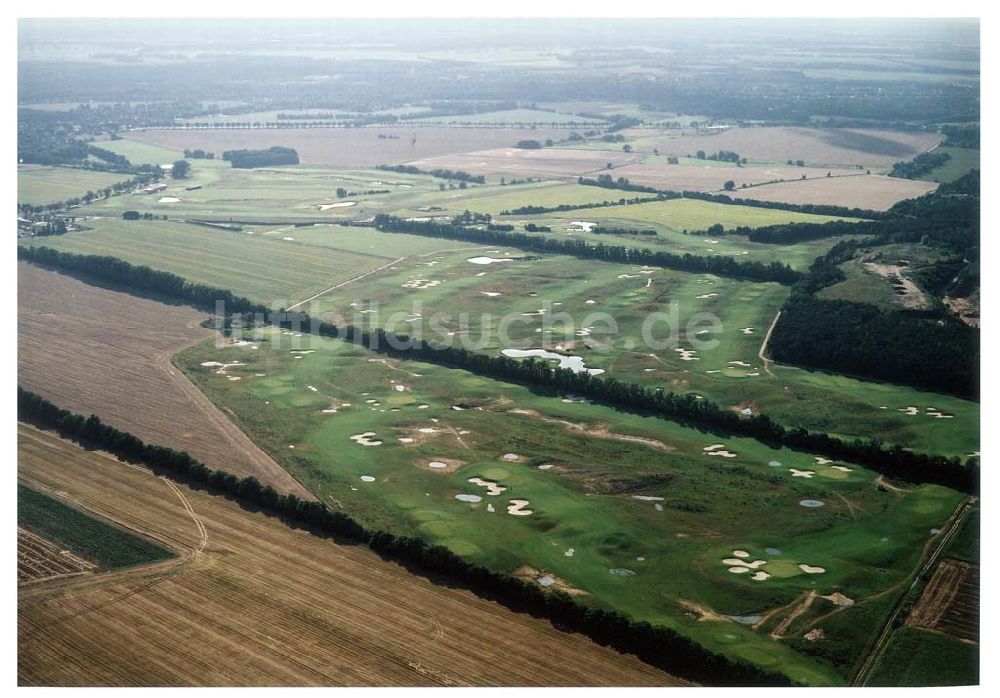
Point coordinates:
[[365, 439], [801, 473], [168, 200], [646, 498], [820, 460], [812, 503], [582, 226], [545, 466], [570, 552], [742, 364], [741, 553], [746, 330], [809, 569], [367, 478], [518, 507], [842, 468], [471, 498], [759, 576], [718, 450], [739, 570], [510, 457], [488, 260], [492, 488], [434, 463], [687, 354], [422, 283], [339, 204]]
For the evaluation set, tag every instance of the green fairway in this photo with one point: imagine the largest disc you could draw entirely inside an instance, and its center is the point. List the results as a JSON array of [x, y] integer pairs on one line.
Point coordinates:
[[109, 547], [632, 510], [607, 305], [143, 153], [40, 184]]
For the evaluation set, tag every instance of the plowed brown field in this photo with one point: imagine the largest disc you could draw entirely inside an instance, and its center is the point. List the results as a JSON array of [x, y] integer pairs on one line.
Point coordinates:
[[251, 601], [98, 351]]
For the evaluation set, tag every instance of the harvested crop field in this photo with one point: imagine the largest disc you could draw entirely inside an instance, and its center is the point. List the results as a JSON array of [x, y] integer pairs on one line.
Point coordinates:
[[873, 192], [96, 350], [360, 147], [254, 602], [39, 558], [815, 146], [950, 603], [689, 177], [522, 162]]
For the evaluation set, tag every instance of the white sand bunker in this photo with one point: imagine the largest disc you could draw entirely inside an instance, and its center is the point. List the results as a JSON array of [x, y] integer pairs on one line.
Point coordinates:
[[405, 440], [584, 226], [545, 466], [812, 503], [511, 457], [820, 460], [366, 439], [706, 295], [339, 204], [740, 564], [647, 498], [312, 388], [741, 364], [739, 570], [842, 468], [168, 200], [912, 411], [367, 478], [802, 473], [422, 283], [491, 294], [938, 414], [519, 507], [687, 354], [809, 569], [590, 301], [718, 450], [487, 260], [759, 576], [471, 498], [492, 488], [741, 553], [746, 330], [570, 552]]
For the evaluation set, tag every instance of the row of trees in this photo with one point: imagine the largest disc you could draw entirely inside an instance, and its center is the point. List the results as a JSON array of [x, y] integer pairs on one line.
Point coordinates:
[[920, 165], [719, 265], [894, 461], [123, 187], [656, 645], [458, 175], [622, 183], [534, 210]]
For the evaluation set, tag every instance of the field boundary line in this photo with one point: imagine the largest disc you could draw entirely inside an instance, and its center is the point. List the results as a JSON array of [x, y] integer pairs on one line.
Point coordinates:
[[344, 283]]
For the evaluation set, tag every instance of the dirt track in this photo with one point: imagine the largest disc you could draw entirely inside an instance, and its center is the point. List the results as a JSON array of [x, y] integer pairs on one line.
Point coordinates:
[[94, 350], [265, 604]]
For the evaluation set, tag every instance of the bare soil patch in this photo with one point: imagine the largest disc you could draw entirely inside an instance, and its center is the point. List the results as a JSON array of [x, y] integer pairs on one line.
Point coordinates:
[[950, 602], [98, 351], [359, 147], [264, 604], [873, 192], [538, 163], [815, 146]]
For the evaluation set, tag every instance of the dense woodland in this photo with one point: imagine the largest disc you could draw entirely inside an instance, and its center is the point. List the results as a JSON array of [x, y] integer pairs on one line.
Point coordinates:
[[269, 157], [929, 349]]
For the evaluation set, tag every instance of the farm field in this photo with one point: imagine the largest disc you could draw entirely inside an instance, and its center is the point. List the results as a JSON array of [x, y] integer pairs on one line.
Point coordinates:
[[357, 147], [871, 149], [918, 657], [521, 162], [698, 176], [950, 602], [623, 503], [265, 269], [514, 117], [873, 192], [254, 602], [41, 184], [83, 535], [39, 558], [100, 351]]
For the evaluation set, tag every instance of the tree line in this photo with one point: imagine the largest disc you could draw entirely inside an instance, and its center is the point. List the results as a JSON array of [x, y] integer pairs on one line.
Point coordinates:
[[532, 210], [459, 175], [719, 265], [894, 461], [622, 183], [658, 646], [920, 165], [107, 192]]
